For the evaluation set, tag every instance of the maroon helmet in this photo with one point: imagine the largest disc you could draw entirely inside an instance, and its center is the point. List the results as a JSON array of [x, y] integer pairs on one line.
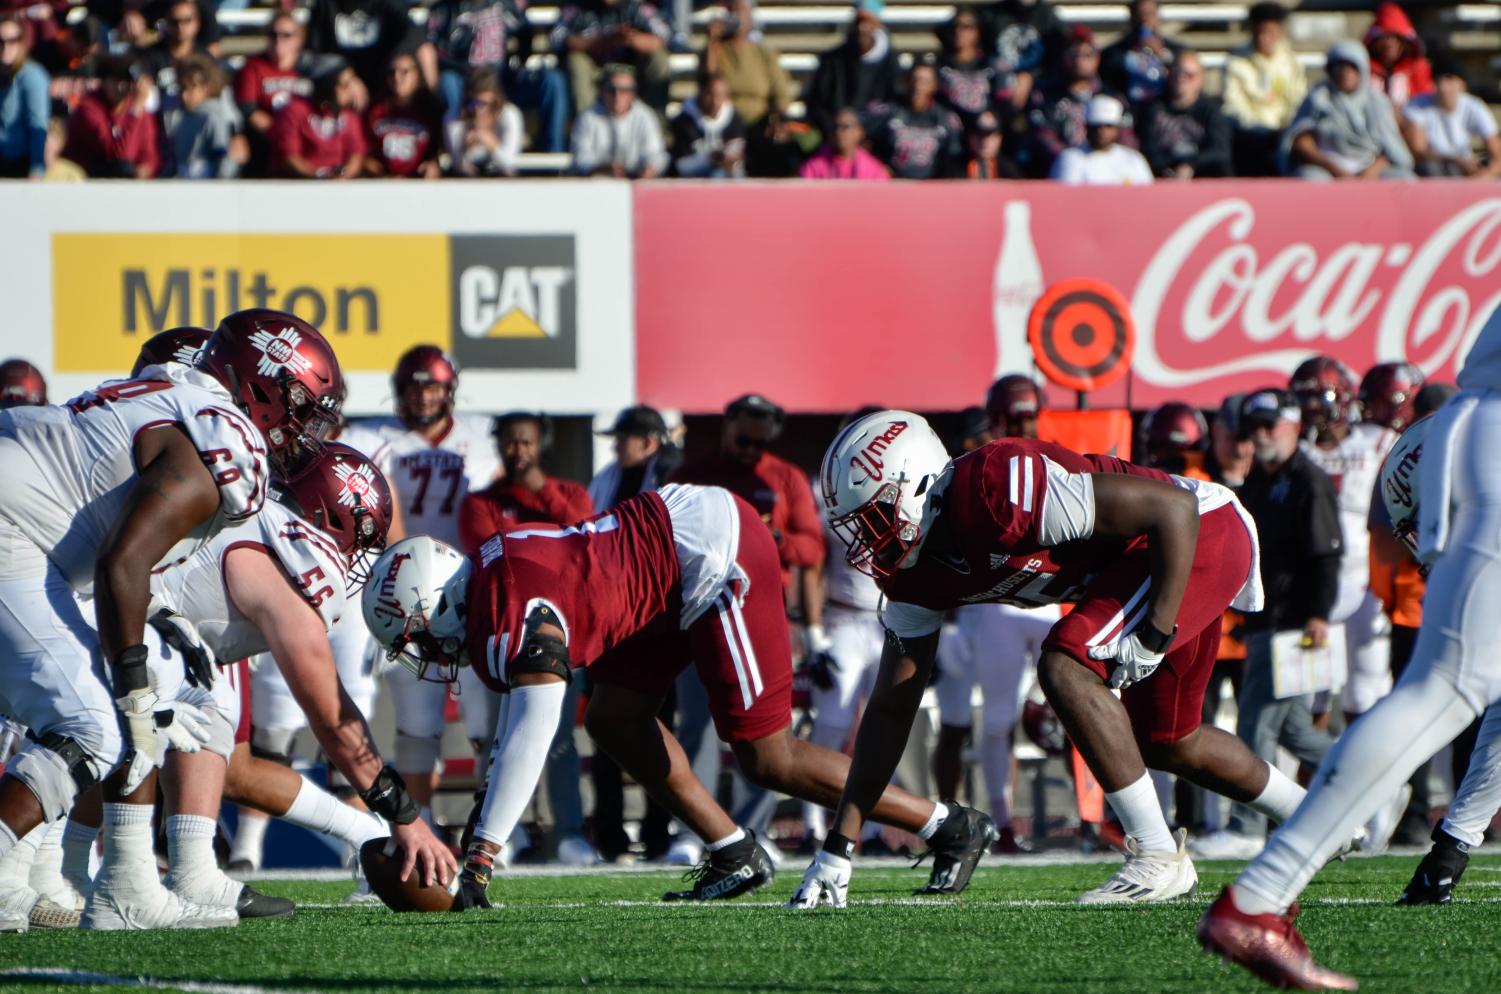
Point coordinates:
[[283, 375], [21, 385], [1013, 403], [173, 345], [345, 496], [1173, 430], [1387, 394], [1325, 388], [424, 364]]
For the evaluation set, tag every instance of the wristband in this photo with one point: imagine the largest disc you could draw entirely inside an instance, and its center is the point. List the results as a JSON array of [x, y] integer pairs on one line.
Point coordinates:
[[838, 845], [388, 798], [130, 670], [1153, 640]]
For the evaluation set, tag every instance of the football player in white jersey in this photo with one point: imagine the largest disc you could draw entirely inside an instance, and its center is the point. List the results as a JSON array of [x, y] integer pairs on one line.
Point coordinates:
[[1449, 483], [99, 492], [1350, 451], [436, 456]]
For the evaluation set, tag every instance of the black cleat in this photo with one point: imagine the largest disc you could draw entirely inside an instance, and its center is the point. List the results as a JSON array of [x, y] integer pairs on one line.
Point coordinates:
[[1434, 879], [736, 869], [254, 904], [964, 836]]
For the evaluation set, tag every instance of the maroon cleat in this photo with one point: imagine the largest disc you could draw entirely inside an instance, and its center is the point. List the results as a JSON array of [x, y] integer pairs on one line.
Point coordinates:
[[1008, 843], [1267, 945]]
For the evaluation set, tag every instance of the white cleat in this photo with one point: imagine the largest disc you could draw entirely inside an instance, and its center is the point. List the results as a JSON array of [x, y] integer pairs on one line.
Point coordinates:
[[576, 851], [363, 894], [16, 902], [1225, 844], [208, 887], [47, 913], [1148, 876], [130, 905]]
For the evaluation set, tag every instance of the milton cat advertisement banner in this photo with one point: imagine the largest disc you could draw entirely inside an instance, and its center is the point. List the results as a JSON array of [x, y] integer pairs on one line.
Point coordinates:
[[525, 284], [827, 297]]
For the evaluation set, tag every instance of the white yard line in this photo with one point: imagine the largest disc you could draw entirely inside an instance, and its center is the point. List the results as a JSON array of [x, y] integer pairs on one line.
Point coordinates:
[[83, 978], [913, 902]]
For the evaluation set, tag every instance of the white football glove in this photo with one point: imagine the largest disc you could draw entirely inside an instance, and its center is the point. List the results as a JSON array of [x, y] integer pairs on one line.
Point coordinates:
[[1134, 662], [138, 708], [187, 727], [827, 883]]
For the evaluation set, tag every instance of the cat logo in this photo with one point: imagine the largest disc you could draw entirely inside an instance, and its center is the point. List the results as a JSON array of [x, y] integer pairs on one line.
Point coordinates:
[[514, 301]]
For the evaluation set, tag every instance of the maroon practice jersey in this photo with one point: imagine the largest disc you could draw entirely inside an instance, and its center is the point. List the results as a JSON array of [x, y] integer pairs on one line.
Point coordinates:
[[606, 579], [992, 507]]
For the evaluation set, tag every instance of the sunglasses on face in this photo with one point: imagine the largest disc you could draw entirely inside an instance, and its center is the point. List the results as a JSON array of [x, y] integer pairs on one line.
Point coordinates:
[[284, 34], [484, 103], [10, 40], [620, 89]]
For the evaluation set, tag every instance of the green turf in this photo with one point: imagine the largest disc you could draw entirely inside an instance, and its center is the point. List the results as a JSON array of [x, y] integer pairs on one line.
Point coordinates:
[[558, 934]]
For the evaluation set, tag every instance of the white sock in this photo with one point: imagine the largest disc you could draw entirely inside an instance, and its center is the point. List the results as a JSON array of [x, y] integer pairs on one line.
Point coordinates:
[[935, 820], [7, 839], [1137, 807], [127, 841], [995, 761], [193, 871], [46, 871], [15, 865], [728, 840], [78, 853], [319, 811], [1281, 796], [250, 838]]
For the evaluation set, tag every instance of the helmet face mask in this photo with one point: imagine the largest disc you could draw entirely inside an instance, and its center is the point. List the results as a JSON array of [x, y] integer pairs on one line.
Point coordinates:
[[343, 495], [876, 537], [1325, 389], [420, 368], [1388, 394]]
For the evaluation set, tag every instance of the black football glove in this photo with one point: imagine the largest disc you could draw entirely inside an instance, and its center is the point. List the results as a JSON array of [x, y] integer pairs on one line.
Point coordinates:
[[178, 633], [471, 893], [821, 667]]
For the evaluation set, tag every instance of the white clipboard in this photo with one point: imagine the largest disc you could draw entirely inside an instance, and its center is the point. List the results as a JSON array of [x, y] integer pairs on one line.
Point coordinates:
[[1298, 671]]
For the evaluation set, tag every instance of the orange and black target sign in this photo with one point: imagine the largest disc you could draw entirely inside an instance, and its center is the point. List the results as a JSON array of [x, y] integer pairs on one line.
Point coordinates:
[[1082, 334]]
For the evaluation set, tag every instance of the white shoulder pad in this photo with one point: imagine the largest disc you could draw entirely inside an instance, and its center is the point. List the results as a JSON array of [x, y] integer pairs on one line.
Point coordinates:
[[235, 453], [310, 559]]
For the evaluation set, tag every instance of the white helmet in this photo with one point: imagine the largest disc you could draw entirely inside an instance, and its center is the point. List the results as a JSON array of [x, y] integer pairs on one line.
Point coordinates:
[[875, 480], [1398, 482], [414, 605]]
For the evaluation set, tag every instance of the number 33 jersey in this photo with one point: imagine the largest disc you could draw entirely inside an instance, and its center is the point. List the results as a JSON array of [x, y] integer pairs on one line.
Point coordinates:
[[197, 589], [430, 478]]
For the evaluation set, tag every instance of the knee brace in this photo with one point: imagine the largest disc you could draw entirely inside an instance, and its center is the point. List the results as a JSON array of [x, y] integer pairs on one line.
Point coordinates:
[[56, 769], [417, 755], [273, 744]]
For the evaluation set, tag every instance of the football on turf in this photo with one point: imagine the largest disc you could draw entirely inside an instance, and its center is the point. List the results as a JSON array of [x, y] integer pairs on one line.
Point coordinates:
[[381, 859]]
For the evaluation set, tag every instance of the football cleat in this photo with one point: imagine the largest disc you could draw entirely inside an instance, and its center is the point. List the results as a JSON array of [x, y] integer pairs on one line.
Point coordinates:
[[16, 902], [957, 846], [253, 904], [1008, 843], [1267, 945], [1148, 876], [132, 901], [47, 913], [1434, 879], [739, 868], [1226, 844]]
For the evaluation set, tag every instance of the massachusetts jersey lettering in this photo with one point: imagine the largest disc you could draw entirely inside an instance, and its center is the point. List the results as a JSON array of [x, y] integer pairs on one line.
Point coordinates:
[[605, 580], [75, 462], [430, 478], [196, 588]]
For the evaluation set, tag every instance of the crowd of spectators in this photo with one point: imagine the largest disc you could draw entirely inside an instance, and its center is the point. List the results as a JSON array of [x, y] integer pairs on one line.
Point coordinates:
[[358, 88]]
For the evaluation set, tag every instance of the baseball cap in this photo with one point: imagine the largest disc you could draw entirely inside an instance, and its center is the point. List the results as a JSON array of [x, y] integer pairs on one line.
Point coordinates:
[[1104, 110], [638, 420], [1266, 407], [753, 404], [875, 8], [1229, 412]]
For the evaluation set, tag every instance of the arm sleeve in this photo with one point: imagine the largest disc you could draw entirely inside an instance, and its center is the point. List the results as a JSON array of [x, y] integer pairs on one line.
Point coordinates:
[[528, 722], [802, 541], [1067, 506], [909, 620]]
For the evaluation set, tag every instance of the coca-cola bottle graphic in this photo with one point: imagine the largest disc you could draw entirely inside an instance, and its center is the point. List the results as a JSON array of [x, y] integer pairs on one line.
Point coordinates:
[[1018, 284]]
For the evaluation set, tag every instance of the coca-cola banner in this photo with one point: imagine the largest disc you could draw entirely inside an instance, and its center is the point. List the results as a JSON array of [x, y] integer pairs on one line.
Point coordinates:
[[826, 297]]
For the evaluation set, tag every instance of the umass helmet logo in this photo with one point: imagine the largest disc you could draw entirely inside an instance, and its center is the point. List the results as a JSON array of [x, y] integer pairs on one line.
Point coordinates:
[[356, 484], [279, 352]]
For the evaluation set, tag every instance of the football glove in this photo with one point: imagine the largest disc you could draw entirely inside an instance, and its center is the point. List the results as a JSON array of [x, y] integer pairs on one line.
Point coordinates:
[[1134, 662], [179, 633], [818, 658], [827, 883], [474, 881]]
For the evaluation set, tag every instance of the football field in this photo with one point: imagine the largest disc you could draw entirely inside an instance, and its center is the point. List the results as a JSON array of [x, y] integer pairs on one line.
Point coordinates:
[[1016, 929]]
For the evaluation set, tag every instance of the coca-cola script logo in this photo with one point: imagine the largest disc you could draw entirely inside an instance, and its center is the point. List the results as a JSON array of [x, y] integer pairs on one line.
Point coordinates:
[[1220, 270]]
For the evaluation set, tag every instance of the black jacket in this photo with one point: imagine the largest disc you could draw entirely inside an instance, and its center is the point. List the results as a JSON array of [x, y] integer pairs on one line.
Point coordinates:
[[1198, 135], [842, 80], [1297, 521]]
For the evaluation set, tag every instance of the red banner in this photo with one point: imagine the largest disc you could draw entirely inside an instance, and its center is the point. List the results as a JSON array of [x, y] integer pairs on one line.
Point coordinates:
[[829, 296]]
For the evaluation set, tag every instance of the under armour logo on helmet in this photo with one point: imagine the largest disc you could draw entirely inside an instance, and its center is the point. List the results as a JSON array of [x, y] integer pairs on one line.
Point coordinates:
[[279, 352]]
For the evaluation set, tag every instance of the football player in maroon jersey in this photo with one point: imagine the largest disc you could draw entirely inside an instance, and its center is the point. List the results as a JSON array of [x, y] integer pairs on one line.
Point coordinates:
[[1149, 561], [682, 575]]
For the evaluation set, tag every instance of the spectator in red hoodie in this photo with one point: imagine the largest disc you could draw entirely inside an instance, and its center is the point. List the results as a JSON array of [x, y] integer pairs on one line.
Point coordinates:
[[322, 137], [1399, 67], [525, 494], [111, 133], [406, 128]]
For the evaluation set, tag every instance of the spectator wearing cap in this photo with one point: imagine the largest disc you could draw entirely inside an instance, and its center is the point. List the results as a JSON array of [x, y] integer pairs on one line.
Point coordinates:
[[845, 155], [1345, 128], [987, 158], [1105, 162], [24, 104], [1296, 511], [1026, 39], [269, 80], [1056, 117], [860, 72], [1442, 128], [1184, 134], [619, 136], [321, 137], [1264, 87], [1137, 64], [640, 437], [595, 35], [708, 137], [111, 134], [1399, 68], [365, 34], [1230, 450], [404, 129], [919, 138]]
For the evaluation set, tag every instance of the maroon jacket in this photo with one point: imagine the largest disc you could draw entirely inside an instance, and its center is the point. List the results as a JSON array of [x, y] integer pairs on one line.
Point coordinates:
[[504, 506], [101, 140]]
